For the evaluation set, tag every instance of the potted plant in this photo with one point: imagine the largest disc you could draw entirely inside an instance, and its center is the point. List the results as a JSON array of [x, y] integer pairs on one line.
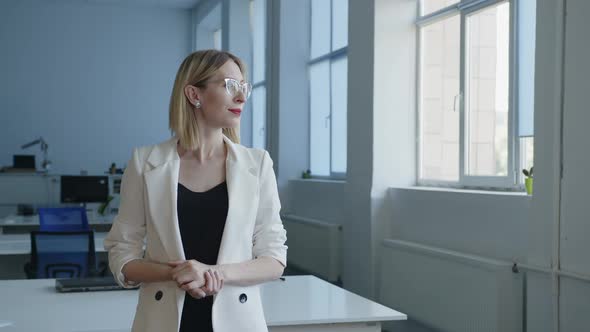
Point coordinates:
[[528, 181], [306, 174]]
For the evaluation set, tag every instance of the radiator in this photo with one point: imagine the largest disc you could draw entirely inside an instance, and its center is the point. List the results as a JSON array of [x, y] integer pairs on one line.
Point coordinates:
[[451, 291], [314, 247]]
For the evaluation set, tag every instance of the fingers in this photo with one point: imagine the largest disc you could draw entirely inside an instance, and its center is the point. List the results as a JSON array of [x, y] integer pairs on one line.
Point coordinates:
[[178, 266], [193, 289], [209, 283], [190, 286], [200, 292], [184, 278], [214, 282], [197, 293], [218, 280]]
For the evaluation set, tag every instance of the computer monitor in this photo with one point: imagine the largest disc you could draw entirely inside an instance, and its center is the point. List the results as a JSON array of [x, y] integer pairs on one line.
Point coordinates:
[[84, 189]]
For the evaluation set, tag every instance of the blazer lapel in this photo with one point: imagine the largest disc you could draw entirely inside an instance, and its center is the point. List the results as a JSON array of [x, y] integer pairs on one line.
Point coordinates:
[[162, 191], [242, 184]]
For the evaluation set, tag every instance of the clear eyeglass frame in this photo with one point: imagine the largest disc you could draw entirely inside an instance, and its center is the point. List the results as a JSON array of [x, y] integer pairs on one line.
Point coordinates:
[[233, 87]]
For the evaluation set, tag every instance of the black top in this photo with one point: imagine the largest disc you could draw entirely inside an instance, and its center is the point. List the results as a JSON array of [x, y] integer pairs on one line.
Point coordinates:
[[201, 219]]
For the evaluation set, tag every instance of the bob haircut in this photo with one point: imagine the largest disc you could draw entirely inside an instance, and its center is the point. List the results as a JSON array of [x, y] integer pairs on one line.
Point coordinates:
[[196, 69]]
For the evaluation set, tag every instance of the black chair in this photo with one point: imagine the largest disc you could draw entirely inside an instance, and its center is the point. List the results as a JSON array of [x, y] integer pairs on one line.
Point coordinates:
[[62, 255]]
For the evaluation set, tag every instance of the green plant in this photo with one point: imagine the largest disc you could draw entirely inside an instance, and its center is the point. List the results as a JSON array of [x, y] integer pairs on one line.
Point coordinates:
[[103, 206], [528, 173], [306, 174]]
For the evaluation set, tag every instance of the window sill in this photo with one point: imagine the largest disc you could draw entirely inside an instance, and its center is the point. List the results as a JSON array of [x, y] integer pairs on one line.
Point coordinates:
[[465, 191], [319, 180]]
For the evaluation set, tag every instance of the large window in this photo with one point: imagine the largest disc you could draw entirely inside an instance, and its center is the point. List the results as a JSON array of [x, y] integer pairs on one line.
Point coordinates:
[[328, 87], [258, 98], [475, 92]]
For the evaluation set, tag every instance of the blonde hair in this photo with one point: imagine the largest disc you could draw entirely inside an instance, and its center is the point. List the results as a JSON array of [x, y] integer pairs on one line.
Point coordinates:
[[196, 69]]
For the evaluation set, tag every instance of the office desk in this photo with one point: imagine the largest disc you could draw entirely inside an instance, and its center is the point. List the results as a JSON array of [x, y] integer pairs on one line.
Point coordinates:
[[15, 251], [300, 303], [20, 244], [25, 224]]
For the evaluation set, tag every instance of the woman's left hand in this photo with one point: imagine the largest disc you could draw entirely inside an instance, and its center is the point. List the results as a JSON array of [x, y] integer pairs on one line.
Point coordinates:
[[214, 282]]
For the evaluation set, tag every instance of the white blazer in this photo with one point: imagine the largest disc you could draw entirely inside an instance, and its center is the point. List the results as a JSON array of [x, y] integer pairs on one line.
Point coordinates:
[[148, 212]]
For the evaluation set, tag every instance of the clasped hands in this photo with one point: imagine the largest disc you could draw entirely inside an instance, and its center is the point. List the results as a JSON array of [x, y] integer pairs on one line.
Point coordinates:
[[197, 279]]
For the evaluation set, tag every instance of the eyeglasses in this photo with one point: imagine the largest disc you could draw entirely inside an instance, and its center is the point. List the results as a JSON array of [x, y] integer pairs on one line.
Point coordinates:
[[233, 87]]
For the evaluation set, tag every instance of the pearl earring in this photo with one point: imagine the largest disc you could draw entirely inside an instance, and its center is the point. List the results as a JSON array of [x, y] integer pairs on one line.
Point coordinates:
[[198, 104]]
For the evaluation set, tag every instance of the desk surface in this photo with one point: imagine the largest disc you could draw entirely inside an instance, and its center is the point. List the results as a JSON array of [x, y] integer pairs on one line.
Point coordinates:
[[15, 221], [34, 305], [20, 244]]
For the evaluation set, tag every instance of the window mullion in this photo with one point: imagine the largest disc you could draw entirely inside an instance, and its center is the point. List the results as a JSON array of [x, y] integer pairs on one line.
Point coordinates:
[[437, 16], [258, 84], [513, 146], [330, 88], [463, 100], [417, 100], [477, 5]]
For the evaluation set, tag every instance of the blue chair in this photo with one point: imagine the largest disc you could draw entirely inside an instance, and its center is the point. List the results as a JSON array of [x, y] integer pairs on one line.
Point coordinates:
[[63, 219], [61, 255]]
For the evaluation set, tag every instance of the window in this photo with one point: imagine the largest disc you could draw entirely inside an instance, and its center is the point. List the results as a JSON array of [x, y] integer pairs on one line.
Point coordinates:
[[258, 97], [217, 39], [328, 77], [475, 99], [207, 27]]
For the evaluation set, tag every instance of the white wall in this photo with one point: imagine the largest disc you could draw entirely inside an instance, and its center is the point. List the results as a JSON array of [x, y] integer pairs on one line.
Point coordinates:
[[541, 305], [574, 228], [93, 79], [394, 152], [486, 224]]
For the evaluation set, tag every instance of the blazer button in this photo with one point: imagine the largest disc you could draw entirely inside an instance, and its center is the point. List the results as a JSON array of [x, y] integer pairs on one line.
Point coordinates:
[[243, 298], [159, 295]]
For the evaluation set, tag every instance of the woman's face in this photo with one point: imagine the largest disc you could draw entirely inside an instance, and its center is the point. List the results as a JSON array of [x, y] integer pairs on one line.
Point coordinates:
[[218, 108]]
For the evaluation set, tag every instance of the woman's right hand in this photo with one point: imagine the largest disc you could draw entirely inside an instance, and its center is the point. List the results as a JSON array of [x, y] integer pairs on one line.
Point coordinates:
[[189, 271], [213, 284]]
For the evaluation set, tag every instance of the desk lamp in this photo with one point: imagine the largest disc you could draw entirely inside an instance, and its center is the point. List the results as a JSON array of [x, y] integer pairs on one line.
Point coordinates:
[[46, 164]]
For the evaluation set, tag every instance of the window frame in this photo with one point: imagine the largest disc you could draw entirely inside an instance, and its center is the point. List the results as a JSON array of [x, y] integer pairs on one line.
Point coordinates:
[[263, 82], [201, 12], [464, 9], [329, 57]]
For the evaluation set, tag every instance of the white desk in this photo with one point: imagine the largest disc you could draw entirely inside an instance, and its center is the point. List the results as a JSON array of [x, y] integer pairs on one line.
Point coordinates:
[[31, 222], [300, 303], [20, 244]]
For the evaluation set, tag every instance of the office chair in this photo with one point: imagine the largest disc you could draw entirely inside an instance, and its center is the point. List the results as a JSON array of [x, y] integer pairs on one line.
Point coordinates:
[[63, 219], [62, 255]]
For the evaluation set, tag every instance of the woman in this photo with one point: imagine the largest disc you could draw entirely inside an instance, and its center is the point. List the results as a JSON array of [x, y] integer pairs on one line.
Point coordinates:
[[206, 207]]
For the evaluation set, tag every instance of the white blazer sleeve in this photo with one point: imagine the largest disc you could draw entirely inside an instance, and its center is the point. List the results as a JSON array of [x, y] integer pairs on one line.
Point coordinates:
[[125, 240], [269, 234]]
